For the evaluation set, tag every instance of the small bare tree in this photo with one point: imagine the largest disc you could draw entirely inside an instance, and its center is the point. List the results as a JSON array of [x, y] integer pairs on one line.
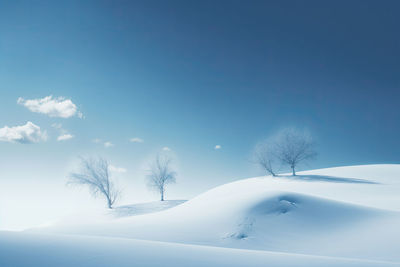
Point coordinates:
[[161, 174], [264, 155], [294, 146], [95, 174]]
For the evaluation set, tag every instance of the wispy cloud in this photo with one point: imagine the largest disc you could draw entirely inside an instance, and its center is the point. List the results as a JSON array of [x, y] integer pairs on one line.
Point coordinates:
[[24, 134], [113, 168], [65, 137], [166, 148], [108, 144], [136, 140], [217, 147], [53, 107]]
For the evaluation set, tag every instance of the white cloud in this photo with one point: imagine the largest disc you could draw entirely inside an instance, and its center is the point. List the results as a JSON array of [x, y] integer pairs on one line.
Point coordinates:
[[65, 137], [108, 144], [136, 140], [53, 107], [166, 148], [25, 134], [218, 147], [112, 168]]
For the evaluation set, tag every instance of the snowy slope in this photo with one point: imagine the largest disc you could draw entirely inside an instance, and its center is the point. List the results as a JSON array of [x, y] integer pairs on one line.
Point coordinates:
[[350, 212], [22, 250], [88, 217], [144, 208]]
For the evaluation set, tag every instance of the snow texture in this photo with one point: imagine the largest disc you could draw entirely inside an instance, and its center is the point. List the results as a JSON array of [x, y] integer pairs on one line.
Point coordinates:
[[345, 216]]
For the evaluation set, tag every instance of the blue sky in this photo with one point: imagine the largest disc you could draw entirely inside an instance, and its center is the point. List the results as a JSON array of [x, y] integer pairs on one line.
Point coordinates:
[[192, 75]]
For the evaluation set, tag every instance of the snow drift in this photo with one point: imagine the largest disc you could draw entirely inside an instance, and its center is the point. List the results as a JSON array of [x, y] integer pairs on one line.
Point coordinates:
[[345, 216], [21, 250], [338, 212]]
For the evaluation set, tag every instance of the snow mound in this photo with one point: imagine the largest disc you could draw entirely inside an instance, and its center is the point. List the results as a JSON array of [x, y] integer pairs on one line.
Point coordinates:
[[144, 208], [275, 214], [339, 212], [276, 221], [96, 216]]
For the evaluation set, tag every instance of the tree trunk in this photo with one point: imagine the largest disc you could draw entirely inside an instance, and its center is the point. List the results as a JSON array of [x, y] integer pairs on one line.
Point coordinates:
[[109, 203], [162, 195], [293, 171]]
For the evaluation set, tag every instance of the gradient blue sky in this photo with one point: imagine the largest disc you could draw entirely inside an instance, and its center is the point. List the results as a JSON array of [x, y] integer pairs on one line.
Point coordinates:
[[190, 75]]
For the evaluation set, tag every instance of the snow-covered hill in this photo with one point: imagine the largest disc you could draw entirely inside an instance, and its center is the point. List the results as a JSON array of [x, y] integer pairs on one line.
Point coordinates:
[[345, 212]]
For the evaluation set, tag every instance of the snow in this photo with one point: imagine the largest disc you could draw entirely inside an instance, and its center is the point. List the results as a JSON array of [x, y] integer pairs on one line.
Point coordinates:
[[344, 216], [144, 208], [19, 250], [87, 217]]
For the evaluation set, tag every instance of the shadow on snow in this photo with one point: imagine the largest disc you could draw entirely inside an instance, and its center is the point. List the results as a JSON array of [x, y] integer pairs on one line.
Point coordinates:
[[331, 179]]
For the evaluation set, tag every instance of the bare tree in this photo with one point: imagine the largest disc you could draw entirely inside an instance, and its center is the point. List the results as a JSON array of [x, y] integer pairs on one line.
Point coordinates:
[[95, 174], [264, 155], [294, 146], [161, 174]]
